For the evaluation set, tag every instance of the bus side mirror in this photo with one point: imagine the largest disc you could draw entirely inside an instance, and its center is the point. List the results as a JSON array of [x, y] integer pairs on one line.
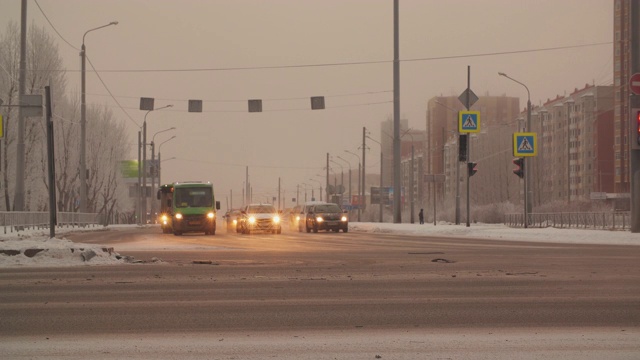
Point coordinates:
[[217, 205], [159, 195]]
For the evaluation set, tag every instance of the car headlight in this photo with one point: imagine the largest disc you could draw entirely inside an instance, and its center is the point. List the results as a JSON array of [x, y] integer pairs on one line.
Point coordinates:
[[178, 216], [276, 219], [235, 222], [252, 220], [344, 218], [211, 215], [319, 219], [298, 218]]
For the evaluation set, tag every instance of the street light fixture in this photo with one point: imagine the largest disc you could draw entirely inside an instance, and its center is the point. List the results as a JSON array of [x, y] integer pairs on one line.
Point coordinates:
[[320, 184], [143, 164], [155, 166], [359, 175], [83, 121], [457, 215], [528, 195]]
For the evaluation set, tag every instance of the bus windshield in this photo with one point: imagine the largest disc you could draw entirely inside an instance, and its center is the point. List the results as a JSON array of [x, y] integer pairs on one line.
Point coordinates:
[[193, 197]]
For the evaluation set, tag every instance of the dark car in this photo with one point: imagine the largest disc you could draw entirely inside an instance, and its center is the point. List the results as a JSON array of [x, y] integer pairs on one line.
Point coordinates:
[[232, 217], [294, 217], [325, 217]]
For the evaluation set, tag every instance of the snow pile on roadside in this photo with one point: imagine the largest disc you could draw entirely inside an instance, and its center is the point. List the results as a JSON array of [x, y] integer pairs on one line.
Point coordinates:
[[34, 248], [503, 232]]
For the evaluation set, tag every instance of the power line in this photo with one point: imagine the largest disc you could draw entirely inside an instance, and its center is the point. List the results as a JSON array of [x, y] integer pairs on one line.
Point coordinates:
[[53, 27], [464, 56], [109, 91]]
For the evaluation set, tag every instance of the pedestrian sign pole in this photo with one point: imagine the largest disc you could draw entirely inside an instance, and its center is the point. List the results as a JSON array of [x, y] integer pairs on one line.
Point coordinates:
[[525, 144]]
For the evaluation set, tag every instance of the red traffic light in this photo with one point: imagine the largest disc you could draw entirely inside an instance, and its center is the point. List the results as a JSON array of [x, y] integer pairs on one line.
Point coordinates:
[[519, 162], [637, 116]]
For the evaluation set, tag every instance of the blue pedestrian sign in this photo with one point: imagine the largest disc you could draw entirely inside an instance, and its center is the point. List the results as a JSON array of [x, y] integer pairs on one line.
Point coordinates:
[[525, 144], [469, 121]]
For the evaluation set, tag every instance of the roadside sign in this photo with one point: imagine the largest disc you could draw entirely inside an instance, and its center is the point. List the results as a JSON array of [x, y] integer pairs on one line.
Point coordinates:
[[525, 144], [469, 95], [634, 83], [468, 121]]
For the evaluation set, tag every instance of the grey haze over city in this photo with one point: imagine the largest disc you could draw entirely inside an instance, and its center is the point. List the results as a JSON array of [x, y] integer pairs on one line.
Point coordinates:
[[284, 52]]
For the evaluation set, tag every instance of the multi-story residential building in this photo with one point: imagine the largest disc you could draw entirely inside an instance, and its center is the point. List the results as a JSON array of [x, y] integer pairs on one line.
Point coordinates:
[[491, 148], [576, 146], [621, 74]]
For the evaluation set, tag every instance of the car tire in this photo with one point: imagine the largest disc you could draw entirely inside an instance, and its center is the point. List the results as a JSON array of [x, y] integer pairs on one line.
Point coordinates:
[[345, 230], [279, 231], [315, 229], [307, 227]]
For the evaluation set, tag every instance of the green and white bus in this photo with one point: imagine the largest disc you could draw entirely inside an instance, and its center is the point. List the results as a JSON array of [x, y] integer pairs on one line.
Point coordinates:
[[191, 207]]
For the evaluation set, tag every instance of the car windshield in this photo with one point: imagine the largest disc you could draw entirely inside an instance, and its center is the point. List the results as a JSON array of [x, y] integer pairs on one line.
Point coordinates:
[[328, 208], [261, 209], [193, 197]]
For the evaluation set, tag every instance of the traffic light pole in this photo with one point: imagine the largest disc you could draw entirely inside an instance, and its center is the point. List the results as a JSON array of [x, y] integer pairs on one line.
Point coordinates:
[[468, 105]]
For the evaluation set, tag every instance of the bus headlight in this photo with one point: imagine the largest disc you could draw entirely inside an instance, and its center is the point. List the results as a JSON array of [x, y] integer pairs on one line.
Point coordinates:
[[179, 216], [164, 218], [211, 215]]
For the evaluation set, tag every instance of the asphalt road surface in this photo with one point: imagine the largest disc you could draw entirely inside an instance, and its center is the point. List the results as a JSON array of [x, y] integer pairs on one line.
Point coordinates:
[[326, 296]]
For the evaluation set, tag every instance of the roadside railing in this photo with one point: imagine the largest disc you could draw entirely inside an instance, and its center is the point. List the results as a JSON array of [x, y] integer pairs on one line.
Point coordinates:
[[24, 220], [618, 220]]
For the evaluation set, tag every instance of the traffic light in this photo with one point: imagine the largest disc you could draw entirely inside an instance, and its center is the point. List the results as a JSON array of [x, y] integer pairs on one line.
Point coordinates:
[[462, 147], [472, 168], [519, 162]]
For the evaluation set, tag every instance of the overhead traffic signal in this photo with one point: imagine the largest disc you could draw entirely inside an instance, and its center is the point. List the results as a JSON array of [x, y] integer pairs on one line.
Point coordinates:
[[462, 147], [472, 168], [519, 162]]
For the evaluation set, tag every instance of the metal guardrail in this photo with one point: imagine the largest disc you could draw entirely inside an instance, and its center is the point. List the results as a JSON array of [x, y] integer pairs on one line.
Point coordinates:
[[23, 220], [619, 220]]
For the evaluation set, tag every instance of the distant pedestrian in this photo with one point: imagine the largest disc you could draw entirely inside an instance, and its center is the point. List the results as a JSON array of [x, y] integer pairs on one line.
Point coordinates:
[[421, 216]]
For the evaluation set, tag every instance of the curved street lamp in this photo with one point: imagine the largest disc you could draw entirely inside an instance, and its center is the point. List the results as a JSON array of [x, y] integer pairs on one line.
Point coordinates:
[[156, 168], [83, 120], [528, 194], [359, 179], [143, 167]]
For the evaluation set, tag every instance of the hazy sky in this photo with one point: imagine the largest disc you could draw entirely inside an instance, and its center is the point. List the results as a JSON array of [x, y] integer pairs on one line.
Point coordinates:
[[288, 140]]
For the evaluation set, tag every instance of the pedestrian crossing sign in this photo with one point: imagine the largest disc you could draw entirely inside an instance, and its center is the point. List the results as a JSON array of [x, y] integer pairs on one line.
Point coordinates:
[[525, 144], [469, 121]]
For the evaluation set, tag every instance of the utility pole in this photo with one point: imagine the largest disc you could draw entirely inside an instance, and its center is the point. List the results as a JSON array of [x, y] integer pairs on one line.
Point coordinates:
[[363, 200], [397, 214], [468, 105], [18, 201], [634, 102]]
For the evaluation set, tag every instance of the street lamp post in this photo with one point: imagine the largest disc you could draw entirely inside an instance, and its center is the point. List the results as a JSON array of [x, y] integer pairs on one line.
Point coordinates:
[[83, 120], [457, 161], [528, 196], [359, 174], [341, 180], [143, 193], [348, 164], [319, 184], [381, 167], [155, 168]]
